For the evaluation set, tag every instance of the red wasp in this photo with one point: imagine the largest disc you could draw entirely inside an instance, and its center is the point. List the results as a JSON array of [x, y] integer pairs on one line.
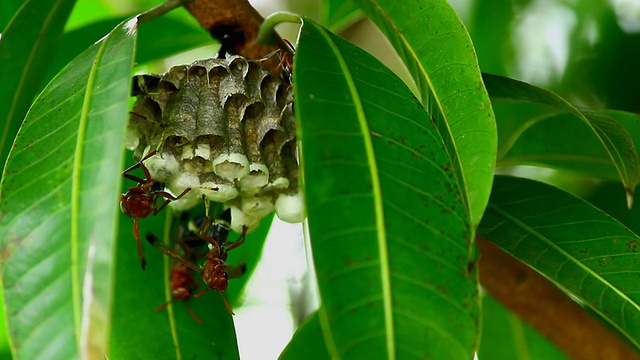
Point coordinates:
[[141, 200], [215, 272], [183, 285], [182, 281], [285, 57]]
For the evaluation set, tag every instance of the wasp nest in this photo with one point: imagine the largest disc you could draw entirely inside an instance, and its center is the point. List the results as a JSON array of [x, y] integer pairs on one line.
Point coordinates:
[[224, 128]]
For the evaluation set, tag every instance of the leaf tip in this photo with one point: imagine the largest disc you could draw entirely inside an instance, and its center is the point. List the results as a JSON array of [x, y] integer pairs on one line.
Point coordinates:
[[629, 193], [131, 25]]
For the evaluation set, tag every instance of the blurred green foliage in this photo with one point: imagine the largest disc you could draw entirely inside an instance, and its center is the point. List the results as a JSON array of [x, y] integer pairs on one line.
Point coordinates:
[[590, 58]]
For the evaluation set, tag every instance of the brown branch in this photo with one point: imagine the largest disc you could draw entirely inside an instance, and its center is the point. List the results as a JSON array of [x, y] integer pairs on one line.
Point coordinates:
[[234, 23], [541, 304]]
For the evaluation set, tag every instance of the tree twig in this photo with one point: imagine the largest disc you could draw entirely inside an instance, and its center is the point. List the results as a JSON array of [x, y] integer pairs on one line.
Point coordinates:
[[545, 307]]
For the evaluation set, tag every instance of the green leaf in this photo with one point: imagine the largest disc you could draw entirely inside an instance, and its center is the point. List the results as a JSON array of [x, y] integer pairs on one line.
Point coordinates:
[[390, 236], [437, 50], [532, 135], [26, 47], [307, 342], [59, 205], [571, 242], [544, 120], [339, 14], [7, 10], [505, 336]]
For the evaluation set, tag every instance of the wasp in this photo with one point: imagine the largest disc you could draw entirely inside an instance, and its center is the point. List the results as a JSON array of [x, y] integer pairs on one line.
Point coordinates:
[[141, 200], [181, 279], [285, 57], [183, 285]]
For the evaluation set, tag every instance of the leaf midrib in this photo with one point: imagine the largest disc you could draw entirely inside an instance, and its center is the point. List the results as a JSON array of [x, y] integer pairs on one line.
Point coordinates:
[[75, 187], [376, 190]]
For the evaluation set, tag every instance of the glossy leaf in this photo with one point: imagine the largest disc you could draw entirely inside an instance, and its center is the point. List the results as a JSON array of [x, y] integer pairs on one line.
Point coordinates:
[[26, 47], [389, 232], [339, 14], [533, 136], [505, 336], [597, 144], [59, 205], [437, 50], [307, 342], [571, 242]]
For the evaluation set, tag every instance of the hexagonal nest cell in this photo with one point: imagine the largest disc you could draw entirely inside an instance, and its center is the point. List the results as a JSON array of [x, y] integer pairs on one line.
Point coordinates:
[[224, 124]]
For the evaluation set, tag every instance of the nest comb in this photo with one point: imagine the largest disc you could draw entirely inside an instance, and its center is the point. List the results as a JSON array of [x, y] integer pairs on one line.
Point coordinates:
[[225, 124]]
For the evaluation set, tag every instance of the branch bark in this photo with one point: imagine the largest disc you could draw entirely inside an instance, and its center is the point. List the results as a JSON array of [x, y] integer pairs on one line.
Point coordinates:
[[545, 307], [234, 23]]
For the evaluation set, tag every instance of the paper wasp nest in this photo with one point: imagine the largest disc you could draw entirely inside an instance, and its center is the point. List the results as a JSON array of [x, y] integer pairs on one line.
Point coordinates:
[[225, 124]]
